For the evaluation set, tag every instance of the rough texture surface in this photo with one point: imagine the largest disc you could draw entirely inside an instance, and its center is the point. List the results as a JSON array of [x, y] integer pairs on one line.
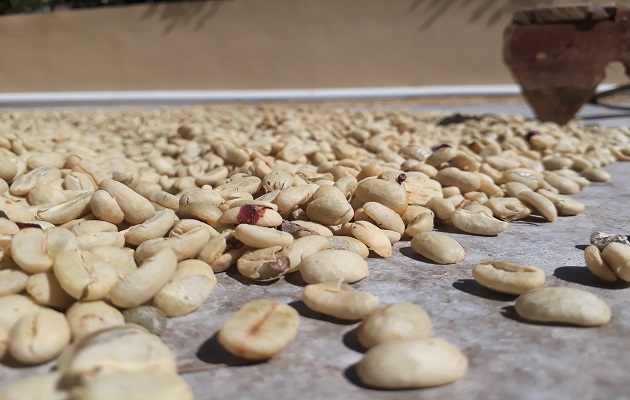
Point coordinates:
[[509, 358]]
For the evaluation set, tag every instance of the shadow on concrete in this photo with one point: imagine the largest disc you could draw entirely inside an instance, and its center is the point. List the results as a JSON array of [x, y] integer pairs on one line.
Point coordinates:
[[295, 279], [407, 252], [581, 246], [306, 312], [234, 274], [350, 341], [9, 361], [211, 352], [583, 276], [471, 286], [509, 312]]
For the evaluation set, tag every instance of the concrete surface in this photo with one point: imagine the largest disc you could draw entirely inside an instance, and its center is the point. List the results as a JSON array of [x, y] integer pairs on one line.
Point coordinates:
[[509, 358]]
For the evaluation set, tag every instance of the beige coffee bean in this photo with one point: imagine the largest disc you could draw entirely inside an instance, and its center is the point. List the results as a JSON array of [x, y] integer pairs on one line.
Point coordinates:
[[330, 210], [185, 225], [13, 280], [617, 257], [394, 237], [312, 228], [294, 196], [91, 316], [46, 159], [8, 167], [15, 211], [222, 251], [185, 245], [260, 215], [515, 188], [8, 227], [474, 207], [398, 321], [154, 227], [387, 193], [465, 181], [201, 195], [105, 207], [348, 243], [438, 247], [412, 363], [15, 306], [565, 205], [97, 172], [440, 156], [263, 264], [478, 197], [450, 191], [23, 184], [488, 187], [260, 329], [384, 218], [339, 300], [347, 185], [39, 337], [195, 267], [134, 385], [41, 387], [507, 208], [135, 207], [121, 259], [595, 175], [506, 277], [150, 318], [243, 184], [60, 213], [333, 265], [261, 237], [373, 237], [203, 211], [277, 180], [95, 239], [422, 223], [596, 264], [4, 342], [188, 289], [128, 348], [563, 184], [442, 208], [241, 203], [301, 248], [45, 195], [539, 203], [562, 305], [525, 176], [142, 284], [84, 275], [35, 249], [47, 291], [477, 223], [93, 226]]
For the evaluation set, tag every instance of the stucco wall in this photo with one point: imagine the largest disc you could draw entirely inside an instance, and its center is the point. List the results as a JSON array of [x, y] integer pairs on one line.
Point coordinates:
[[259, 44]]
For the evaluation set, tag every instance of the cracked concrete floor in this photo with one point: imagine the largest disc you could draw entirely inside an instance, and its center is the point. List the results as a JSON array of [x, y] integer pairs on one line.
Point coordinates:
[[509, 359]]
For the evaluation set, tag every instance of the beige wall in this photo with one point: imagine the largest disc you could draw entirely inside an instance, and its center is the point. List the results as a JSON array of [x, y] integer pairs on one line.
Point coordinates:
[[259, 44]]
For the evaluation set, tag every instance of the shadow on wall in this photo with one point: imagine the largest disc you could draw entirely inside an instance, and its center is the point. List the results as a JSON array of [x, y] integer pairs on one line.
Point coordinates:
[[175, 16], [488, 12]]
